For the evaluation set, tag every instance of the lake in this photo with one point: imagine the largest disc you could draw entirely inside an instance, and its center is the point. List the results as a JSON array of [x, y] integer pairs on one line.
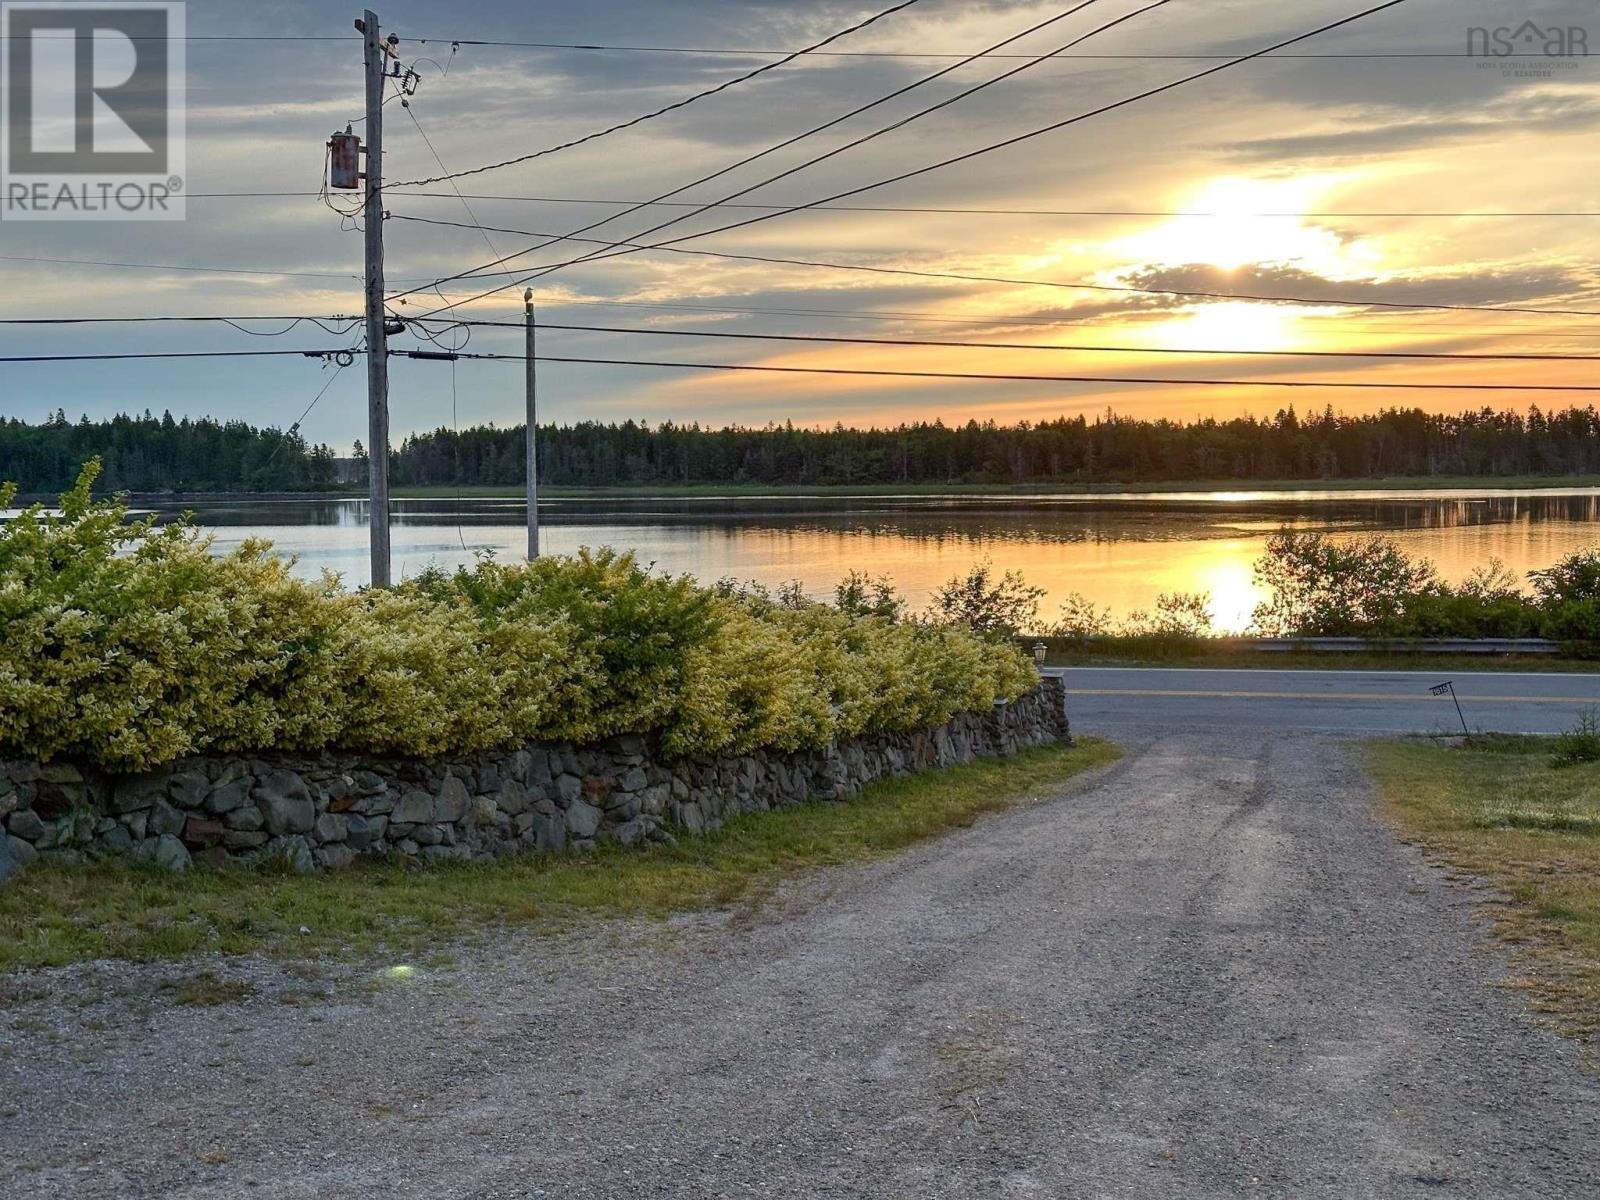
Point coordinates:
[[1119, 550]]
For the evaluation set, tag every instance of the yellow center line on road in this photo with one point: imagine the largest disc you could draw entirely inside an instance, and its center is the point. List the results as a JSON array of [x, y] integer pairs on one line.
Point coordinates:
[[1203, 695]]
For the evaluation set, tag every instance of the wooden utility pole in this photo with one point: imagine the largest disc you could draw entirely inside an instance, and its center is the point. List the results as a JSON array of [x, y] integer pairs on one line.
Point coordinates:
[[376, 55], [529, 377]]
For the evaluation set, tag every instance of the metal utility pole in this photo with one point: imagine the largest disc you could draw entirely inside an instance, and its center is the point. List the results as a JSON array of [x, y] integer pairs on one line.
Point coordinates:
[[529, 377], [376, 55]]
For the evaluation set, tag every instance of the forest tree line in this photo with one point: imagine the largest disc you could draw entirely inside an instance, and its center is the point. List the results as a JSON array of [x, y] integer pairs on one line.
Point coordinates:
[[162, 454], [149, 453]]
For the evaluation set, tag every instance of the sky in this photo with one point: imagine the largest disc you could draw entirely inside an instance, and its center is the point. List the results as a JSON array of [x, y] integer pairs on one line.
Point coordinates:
[[1326, 177]]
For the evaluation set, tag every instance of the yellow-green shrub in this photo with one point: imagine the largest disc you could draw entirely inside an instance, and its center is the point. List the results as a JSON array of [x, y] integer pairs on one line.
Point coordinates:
[[129, 645]]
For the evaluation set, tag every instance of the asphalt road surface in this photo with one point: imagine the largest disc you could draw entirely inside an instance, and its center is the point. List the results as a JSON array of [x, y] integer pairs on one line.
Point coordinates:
[[1115, 698], [1205, 973]]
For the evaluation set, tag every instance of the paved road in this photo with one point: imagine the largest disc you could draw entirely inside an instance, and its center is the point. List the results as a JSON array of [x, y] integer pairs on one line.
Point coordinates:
[[1207, 973], [1116, 698]]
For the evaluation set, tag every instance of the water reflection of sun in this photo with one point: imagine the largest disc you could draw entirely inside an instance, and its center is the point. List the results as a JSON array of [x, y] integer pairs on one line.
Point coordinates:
[[1229, 577]]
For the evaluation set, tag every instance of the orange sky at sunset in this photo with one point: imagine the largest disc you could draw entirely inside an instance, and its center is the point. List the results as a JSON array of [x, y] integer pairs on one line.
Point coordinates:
[[1378, 169]]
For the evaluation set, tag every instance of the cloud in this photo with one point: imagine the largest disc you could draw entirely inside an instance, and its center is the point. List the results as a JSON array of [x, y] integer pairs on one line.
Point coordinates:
[[1364, 132], [1484, 286], [261, 112]]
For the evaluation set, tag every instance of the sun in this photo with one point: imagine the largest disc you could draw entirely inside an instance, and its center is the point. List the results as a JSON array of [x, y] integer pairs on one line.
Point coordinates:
[[1229, 230]]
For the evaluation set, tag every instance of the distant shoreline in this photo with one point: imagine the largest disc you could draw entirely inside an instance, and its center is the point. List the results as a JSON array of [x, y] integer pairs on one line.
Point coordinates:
[[710, 491]]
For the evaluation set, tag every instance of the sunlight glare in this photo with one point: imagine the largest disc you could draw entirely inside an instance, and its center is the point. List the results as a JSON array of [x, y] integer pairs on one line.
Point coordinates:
[[1233, 234]]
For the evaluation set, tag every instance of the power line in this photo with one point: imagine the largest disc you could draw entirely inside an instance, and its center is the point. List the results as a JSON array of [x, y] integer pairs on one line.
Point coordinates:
[[198, 37], [448, 177], [1004, 318], [339, 354], [338, 367], [784, 144], [1321, 302], [667, 108], [337, 317], [145, 266], [932, 209], [964, 94], [853, 341], [996, 212], [1013, 140], [733, 52], [34, 358], [993, 146], [751, 51], [1116, 379], [881, 315], [91, 262]]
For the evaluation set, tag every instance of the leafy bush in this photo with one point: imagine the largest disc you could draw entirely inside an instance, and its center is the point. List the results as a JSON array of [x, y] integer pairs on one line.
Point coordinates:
[[863, 595], [1369, 587], [1581, 743], [1576, 622], [1177, 616], [1334, 588], [1574, 579], [1080, 619], [129, 645], [998, 608], [1451, 614]]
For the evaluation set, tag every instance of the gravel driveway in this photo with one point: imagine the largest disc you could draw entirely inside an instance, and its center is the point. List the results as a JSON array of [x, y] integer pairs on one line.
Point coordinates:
[[1207, 972]]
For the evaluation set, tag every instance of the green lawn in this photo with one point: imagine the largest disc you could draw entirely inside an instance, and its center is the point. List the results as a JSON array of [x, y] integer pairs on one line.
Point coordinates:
[[53, 915], [1502, 811]]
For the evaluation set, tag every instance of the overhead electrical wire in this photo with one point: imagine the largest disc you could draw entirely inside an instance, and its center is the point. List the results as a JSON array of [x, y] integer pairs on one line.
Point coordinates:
[[91, 262], [337, 318], [731, 52], [1007, 319], [340, 354], [872, 135], [428, 142], [1274, 298], [300, 420], [976, 375], [346, 322], [858, 341], [931, 209], [472, 216], [893, 208], [144, 266], [1017, 139], [753, 51], [202, 37], [667, 108], [37, 358], [789, 141]]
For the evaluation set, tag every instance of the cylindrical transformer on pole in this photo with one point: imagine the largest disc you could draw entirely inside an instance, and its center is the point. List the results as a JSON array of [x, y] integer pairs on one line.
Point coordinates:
[[344, 161]]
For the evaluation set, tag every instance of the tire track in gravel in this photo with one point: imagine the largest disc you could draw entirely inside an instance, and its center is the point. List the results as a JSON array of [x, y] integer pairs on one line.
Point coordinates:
[[1206, 972]]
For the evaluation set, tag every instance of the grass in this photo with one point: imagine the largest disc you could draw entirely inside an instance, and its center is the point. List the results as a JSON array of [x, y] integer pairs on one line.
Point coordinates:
[[209, 990], [1064, 486], [50, 916], [1500, 809]]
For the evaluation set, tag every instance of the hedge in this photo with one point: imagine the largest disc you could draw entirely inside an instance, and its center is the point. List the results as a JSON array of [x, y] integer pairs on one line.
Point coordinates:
[[129, 644]]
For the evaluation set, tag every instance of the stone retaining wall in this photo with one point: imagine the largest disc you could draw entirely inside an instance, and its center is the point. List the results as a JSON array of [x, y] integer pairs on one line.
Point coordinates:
[[324, 811]]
